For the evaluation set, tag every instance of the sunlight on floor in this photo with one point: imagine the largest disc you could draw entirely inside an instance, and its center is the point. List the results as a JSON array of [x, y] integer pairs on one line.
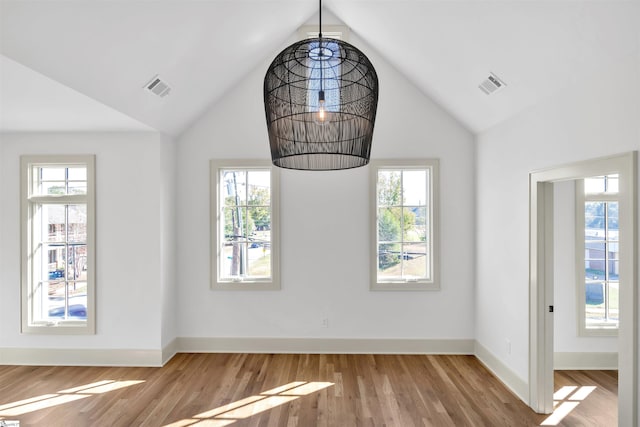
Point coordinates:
[[564, 402], [244, 408], [62, 397]]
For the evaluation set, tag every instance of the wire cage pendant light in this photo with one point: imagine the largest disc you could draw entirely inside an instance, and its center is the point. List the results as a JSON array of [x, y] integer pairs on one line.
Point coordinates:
[[320, 99]]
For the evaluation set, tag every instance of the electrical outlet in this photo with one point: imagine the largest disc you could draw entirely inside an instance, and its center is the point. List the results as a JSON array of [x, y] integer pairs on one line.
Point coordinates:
[[325, 322], [508, 346]]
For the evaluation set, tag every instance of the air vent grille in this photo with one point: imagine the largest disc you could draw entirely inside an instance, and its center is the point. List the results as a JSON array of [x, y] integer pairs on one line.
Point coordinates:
[[491, 84], [158, 87]]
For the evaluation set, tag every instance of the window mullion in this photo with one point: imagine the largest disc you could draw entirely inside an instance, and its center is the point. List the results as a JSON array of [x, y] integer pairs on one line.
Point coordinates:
[[57, 199]]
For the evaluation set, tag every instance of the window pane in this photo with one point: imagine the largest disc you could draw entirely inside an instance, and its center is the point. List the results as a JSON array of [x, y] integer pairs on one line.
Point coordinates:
[[595, 299], [389, 224], [415, 260], [73, 307], [389, 189], [77, 262], [234, 259], [55, 217], [594, 293], [226, 259], [594, 185], [235, 223], [414, 185], [415, 225], [234, 187], [54, 269], [389, 259], [260, 222], [52, 173], [77, 174], [594, 218], [259, 264], [77, 215], [52, 188], [595, 262], [77, 188], [601, 184], [612, 218], [614, 269], [54, 181], [54, 308], [259, 188]]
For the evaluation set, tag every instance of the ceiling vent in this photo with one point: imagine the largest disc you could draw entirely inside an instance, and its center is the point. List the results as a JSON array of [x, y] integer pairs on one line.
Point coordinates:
[[491, 84], [158, 86]]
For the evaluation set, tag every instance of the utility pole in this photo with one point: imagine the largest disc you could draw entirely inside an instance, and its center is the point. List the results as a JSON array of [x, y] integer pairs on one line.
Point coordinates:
[[237, 264]]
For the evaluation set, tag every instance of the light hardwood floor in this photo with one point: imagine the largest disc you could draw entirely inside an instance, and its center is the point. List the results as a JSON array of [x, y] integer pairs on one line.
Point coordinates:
[[292, 390]]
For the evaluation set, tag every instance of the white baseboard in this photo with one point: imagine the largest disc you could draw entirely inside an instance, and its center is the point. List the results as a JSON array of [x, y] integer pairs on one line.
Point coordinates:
[[325, 345], [509, 378], [79, 357], [585, 361], [114, 357], [169, 351]]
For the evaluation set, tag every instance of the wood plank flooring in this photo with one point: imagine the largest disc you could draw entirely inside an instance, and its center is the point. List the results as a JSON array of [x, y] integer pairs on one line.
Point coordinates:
[[287, 390]]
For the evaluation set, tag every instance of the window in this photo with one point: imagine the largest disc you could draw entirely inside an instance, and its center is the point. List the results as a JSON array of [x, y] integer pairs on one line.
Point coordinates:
[[58, 244], [597, 249], [244, 206], [405, 203]]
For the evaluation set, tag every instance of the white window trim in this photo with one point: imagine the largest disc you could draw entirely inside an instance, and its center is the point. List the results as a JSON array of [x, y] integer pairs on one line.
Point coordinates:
[[581, 198], [62, 327], [340, 32], [434, 223], [245, 284]]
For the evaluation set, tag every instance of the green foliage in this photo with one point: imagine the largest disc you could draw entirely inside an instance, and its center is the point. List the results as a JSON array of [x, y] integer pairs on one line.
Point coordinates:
[[247, 221], [409, 220], [389, 189], [259, 211], [388, 226], [594, 215], [388, 256], [57, 190], [394, 219]]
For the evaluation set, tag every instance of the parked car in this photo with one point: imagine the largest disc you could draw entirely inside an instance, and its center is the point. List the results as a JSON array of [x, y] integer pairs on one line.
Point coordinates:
[[77, 307], [595, 293], [56, 274]]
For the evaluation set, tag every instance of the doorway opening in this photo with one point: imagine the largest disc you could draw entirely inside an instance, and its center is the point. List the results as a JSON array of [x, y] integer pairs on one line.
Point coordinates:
[[541, 280]]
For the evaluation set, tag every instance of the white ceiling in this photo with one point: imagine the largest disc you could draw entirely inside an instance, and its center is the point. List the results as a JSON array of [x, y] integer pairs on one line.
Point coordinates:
[[32, 102], [108, 49]]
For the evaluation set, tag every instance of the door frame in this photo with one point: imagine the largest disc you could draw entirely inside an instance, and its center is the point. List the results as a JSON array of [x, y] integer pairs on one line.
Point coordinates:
[[541, 280]]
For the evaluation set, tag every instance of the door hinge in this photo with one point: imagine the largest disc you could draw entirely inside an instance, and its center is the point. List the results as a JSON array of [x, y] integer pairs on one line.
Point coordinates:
[[550, 309]]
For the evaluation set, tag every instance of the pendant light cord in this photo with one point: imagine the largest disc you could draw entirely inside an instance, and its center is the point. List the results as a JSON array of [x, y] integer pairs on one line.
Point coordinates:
[[320, 23], [320, 46]]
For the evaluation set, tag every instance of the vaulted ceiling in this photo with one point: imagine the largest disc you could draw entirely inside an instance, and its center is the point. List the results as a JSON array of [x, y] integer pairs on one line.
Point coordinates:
[[82, 64]]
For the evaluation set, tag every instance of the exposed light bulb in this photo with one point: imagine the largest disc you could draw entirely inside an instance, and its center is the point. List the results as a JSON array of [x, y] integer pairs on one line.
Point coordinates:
[[322, 115]]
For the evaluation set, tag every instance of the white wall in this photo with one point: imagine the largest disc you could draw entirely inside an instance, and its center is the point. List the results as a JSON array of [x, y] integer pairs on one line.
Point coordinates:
[[129, 175], [325, 227], [588, 120], [565, 338], [167, 211]]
